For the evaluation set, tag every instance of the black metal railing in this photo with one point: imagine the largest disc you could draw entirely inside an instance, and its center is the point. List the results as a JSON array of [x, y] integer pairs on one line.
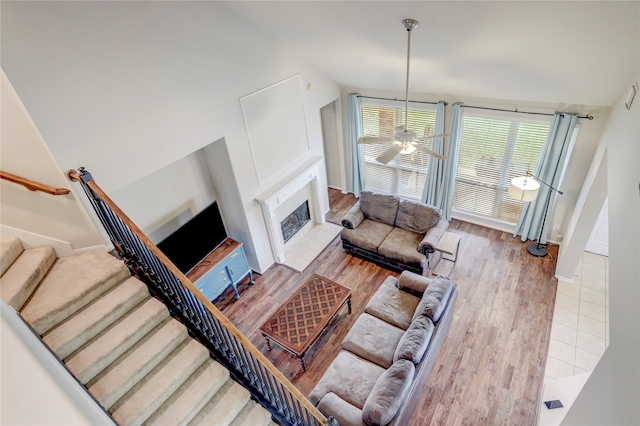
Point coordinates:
[[224, 341]]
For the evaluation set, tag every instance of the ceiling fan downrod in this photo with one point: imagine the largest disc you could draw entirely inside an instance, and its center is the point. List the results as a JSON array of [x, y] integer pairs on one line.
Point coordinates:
[[409, 24]]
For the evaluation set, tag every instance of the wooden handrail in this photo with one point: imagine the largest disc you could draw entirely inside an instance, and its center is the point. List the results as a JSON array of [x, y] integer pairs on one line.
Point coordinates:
[[32, 185], [304, 401]]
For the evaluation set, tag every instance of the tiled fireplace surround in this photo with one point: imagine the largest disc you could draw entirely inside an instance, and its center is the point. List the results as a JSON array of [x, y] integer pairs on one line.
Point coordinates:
[[309, 241]]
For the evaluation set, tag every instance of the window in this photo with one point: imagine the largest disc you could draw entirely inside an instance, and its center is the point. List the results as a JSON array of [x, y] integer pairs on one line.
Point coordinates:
[[494, 150], [405, 174]]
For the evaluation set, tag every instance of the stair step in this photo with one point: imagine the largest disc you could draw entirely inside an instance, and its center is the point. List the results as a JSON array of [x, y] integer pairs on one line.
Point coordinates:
[[24, 275], [112, 343], [224, 406], [71, 284], [10, 249], [154, 392], [258, 416], [196, 392], [253, 414], [84, 326], [118, 381]]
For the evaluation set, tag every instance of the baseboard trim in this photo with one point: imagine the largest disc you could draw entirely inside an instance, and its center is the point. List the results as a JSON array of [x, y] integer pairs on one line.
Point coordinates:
[[31, 240], [560, 277], [62, 248]]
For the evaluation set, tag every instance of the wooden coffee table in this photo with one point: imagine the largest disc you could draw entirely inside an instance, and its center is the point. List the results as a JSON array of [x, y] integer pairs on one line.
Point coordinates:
[[301, 320]]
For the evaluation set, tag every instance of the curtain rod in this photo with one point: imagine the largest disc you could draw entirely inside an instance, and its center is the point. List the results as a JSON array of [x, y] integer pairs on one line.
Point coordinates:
[[588, 117], [401, 100]]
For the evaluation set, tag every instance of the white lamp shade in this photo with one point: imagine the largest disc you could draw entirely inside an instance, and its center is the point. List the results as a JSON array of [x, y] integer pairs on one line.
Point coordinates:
[[524, 189]]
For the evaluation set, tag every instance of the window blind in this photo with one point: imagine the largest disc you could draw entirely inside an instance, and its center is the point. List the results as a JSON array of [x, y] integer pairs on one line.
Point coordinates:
[[406, 173], [492, 152]]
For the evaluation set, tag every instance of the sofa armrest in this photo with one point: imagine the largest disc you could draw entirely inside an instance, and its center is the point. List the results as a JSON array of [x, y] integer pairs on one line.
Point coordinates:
[[353, 218], [413, 283], [345, 413], [433, 235]]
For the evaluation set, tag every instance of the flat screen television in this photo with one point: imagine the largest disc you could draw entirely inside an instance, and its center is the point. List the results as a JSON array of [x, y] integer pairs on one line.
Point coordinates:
[[194, 240]]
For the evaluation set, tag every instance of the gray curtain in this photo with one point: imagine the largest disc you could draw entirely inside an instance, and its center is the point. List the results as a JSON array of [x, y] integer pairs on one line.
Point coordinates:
[[431, 193], [550, 170], [441, 176], [356, 168]]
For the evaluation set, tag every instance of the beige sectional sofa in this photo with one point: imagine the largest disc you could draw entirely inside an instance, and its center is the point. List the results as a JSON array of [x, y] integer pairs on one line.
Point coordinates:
[[387, 355], [397, 233]]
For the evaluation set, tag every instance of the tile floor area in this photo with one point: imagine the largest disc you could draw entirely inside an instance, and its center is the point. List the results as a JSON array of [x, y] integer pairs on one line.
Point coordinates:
[[580, 328], [579, 335], [307, 248]]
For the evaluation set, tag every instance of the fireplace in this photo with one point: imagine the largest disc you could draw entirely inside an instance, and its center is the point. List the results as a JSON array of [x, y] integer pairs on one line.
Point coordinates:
[[303, 183], [295, 221]]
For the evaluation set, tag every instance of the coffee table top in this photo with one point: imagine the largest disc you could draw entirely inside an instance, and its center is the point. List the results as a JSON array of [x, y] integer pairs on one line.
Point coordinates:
[[303, 317]]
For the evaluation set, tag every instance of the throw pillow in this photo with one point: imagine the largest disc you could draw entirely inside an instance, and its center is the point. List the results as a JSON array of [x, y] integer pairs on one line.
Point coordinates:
[[434, 298], [417, 217], [379, 207], [388, 393], [415, 340]]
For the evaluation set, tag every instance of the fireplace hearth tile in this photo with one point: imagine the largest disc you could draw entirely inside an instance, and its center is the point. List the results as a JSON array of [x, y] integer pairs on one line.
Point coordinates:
[[313, 242]]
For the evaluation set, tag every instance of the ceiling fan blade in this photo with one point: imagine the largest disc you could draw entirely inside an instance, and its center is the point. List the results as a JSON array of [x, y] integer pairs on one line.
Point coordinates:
[[389, 154], [424, 138], [373, 139], [430, 152]]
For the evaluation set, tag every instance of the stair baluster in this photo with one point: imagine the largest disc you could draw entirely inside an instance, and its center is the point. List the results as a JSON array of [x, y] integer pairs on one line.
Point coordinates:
[[246, 363]]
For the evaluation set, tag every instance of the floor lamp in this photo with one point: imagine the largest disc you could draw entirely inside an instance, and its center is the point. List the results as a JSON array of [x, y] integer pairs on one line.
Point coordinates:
[[524, 189]]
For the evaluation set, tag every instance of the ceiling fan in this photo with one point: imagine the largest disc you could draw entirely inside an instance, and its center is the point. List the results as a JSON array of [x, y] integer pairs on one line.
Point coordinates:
[[404, 140]]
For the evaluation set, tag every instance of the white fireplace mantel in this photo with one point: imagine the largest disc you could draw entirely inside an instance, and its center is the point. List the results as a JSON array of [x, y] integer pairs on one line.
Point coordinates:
[[308, 173]]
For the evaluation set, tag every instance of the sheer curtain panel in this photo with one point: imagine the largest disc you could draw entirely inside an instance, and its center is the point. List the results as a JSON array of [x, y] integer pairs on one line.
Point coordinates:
[[550, 170], [431, 193], [355, 132]]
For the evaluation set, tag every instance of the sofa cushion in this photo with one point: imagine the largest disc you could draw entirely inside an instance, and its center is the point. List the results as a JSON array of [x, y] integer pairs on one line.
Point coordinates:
[[379, 207], [415, 340], [402, 245], [345, 413], [368, 235], [434, 298], [350, 377], [388, 394], [373, 339], [392, 305], [417, 217]]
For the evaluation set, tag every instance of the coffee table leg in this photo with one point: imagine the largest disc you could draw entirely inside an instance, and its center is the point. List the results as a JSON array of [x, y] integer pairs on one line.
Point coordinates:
[[349, 304], [268, 343]]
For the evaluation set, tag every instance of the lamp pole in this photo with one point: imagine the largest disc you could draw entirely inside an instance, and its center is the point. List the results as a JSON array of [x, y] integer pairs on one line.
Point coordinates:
[[538, 249]]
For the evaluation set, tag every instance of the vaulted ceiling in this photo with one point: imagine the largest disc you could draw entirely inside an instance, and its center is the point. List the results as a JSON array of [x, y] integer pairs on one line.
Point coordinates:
[[569, 53]]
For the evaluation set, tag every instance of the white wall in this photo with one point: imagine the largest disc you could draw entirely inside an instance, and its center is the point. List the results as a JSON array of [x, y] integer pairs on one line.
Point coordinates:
[[36, 387], [128, 88], [174, 194], [37, 217], [612, 392], [585, 215]]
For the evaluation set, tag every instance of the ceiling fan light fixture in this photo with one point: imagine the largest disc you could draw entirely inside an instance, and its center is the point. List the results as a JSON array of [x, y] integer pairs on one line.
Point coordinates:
[[407, 148]]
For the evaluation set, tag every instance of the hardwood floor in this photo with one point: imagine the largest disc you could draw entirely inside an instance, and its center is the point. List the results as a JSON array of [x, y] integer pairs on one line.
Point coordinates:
[[491, 368]]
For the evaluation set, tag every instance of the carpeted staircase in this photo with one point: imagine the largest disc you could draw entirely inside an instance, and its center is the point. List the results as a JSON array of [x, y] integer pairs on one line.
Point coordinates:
[[136, 361]]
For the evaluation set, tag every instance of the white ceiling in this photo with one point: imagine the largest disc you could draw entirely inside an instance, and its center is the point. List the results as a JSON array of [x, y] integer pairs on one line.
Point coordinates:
[[561, 52]]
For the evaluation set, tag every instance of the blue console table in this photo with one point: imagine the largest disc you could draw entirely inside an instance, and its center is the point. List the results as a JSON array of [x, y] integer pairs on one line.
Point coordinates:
[[224, 267]]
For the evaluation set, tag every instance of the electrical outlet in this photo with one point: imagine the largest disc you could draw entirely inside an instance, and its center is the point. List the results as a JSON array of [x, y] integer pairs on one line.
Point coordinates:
[[557, 227]]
